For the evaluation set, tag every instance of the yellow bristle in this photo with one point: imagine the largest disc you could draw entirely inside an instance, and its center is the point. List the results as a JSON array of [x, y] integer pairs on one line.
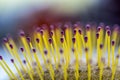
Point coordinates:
[[17, 69], [98, 48], [87, 57], [115, 67], [102, 60], [16, 55], [109, 46], [51, 70], [77, 58], [7, 69], [29, 71], [48, 48], [26, 46], [78, 41], [27, 59], [88, 33], [37, 61], [65, 71], [113, 50], [40, 48]]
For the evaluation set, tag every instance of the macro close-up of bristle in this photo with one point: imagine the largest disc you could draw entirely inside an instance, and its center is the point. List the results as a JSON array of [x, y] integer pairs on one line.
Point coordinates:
[[59, 39], [63, 52]]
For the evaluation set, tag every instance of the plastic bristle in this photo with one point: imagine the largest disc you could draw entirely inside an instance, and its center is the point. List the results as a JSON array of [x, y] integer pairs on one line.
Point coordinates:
[[62, 51]]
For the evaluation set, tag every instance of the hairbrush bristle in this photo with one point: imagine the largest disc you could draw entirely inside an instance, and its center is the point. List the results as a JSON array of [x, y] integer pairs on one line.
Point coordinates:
[[52, 51]]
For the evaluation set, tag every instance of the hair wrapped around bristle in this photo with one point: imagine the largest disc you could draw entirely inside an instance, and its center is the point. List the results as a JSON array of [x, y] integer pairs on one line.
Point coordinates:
[[69, 52]]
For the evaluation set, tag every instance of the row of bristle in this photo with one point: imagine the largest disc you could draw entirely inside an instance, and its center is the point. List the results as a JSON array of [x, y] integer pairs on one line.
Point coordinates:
[[58, 44]]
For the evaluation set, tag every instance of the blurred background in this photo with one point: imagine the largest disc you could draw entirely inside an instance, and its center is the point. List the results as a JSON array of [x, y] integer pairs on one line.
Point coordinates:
[[24, 14]]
